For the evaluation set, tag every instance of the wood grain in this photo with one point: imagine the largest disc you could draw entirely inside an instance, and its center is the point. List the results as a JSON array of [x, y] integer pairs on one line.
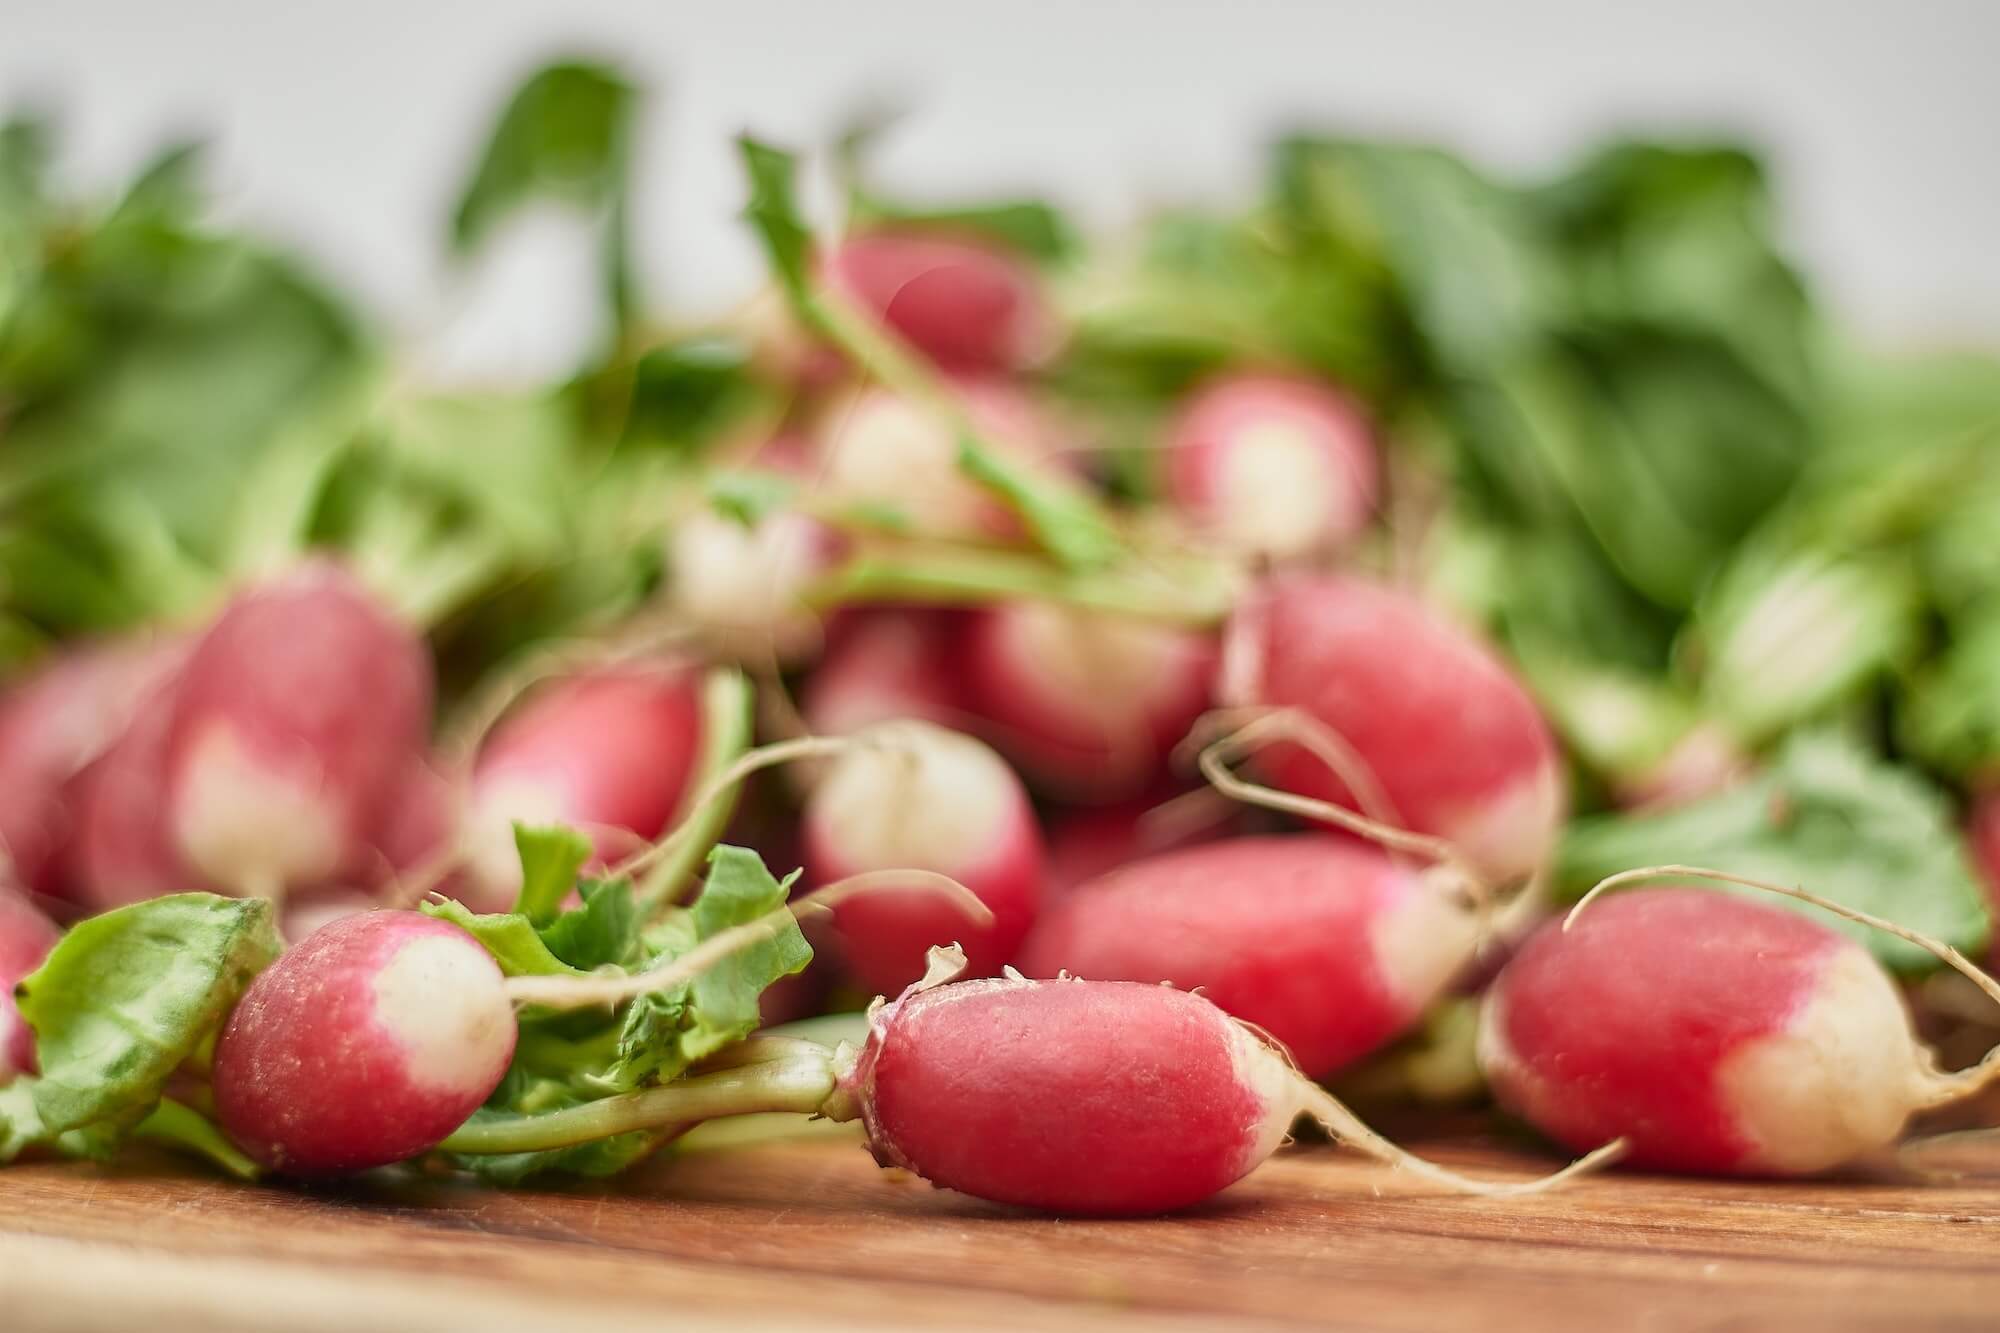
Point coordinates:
[[810, 1232]]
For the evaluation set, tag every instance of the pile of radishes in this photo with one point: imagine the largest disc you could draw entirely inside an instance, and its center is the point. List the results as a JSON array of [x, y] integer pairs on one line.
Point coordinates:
[[1147, 797]]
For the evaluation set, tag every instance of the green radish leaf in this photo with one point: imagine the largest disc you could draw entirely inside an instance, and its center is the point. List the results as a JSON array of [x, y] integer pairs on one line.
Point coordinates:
[[1063, 520], [126, 997], [1951, 709], [21, 1127], [1826, 815], [509, 936], [602, 932], [562, 135], [773, 211], [550, 860], [187, 1130]]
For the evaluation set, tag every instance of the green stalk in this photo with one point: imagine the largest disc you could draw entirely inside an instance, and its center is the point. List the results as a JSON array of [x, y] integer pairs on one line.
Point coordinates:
[[1196, 594], [801, 1083], [725, 729]]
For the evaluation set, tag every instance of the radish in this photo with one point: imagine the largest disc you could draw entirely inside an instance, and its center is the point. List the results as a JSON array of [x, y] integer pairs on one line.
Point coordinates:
[[739, 586], [966, 306], [296, 712], [123, 850], [912, 796], [609, 751], [882, 665], [1443, 738], [1713, 1034], [1087, 1098], [26, 936], [882, 452], [1279, 466], [1330, 946], [1087, 704], [52, 725], [365, 1045], [1094, 840]]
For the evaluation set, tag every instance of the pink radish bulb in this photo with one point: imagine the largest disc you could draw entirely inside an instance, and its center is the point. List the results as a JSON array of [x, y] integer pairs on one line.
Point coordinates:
[[1087, 704], [1327, 944], [1281, 466], [1449, 739], [740, 586], [1716, 1035], [1089, 841], [912, 796], [52, 725], [880, 451], [970, 308], [367, 1044], [26, 936], [296, 712], [881, 666], [124, 850], [609, 752], [1087, 1098]]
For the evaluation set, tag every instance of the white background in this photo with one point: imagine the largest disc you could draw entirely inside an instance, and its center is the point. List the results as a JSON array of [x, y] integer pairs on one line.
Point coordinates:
[[345, 126]]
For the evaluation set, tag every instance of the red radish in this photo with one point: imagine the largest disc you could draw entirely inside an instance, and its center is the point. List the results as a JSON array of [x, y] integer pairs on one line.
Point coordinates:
[[1094, 840], [609, 752], [1088, 704], [1277, 465], [912, 796], [1327, 944], [881, 451], [1702, 762], [1087, 1098], [52, 725], [880, 666], [739, 586], [365, 1045], [296, 712], [123, 850], [422, 821], [26, 936], [1449, 740], [1713, 1034], [968, 307]]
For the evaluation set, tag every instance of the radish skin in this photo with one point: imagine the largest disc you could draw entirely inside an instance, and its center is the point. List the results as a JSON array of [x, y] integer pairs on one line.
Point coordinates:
[[884, 665], [124, 851], [1717, 1036], [1090, 1098], [1451, 743], [1330, 946], [968, 307], [878, 450], [52, 725], [296, 712], [367, 1044], [739, 587], [609, 752], [26, 936], [1088, 705], [1090, 841], [1279, 466], [1983, 837], [911, 796]]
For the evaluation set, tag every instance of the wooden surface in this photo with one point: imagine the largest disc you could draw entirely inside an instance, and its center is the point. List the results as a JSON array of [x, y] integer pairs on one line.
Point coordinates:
[[805, 1233]]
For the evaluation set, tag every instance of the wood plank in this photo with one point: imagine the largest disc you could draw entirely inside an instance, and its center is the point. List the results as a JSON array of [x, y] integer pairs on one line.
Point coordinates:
[[785, 1234]]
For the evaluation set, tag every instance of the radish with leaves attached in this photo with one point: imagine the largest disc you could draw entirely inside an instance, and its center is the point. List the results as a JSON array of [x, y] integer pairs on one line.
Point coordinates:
[[365, 1045]]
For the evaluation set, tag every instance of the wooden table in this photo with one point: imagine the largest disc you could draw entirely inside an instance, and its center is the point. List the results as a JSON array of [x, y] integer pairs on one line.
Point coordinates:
[[810, 1232]]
